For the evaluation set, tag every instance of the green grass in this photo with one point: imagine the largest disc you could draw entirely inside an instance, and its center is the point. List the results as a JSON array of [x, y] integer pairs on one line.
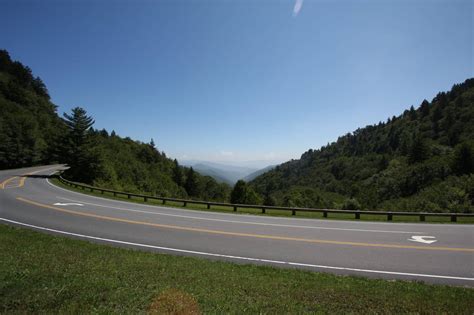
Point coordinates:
[[255, 211], [41, 273]]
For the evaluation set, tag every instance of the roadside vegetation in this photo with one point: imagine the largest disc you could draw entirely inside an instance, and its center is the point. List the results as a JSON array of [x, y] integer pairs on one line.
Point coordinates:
[[258, 211], [41, 273]]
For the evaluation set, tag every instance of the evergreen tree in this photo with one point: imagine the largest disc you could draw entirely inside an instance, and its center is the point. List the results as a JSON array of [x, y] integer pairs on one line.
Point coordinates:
[[237, 195], [412, 113], [83, 160], [244, 194], [419, 150], [191, 184], [425, 108], [463, 159], [177, 173]]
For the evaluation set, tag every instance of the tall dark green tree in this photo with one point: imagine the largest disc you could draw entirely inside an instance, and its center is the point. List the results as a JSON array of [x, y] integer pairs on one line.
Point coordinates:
[[419, 150], [238, 193], [177, 173], [83, 160], [463, 160], [243, 194], [191, 184]]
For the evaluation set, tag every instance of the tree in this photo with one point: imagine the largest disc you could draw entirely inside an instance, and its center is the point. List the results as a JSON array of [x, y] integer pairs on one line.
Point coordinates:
[[191, 184], [419, 150], [79, 125], [177, 173], [238, 193], [463, 159], [412, 113], [84, 161], [425, 108], [351, 204], [243, 194]]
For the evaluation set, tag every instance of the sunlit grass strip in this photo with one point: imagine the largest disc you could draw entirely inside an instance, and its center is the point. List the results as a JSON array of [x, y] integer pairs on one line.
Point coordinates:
[[40, 273]]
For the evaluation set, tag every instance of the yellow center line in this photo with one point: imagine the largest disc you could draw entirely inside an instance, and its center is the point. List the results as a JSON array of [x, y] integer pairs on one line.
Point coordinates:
[[2, 185], [260, 236], [22, 178]]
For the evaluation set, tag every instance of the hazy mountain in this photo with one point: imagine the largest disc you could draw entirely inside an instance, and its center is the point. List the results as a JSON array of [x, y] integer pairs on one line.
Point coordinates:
[[221, 172], [259, 172]]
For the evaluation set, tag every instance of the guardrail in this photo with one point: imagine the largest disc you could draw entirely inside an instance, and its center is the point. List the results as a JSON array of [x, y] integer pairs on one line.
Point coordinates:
[[357, 213]]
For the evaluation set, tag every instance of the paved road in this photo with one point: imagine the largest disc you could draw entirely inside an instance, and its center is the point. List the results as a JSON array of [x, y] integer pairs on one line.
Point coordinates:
[[382, 250]]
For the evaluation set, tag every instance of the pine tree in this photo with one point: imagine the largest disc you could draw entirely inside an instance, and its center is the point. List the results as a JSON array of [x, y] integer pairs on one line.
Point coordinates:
[[425, 108], [84, 161], [463, 159], [239, 192], [419, 150], [191, 184], [177, 173]]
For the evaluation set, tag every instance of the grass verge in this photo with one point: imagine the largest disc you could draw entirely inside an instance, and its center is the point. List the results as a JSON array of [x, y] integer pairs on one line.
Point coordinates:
[[331, 216], [41, 273]]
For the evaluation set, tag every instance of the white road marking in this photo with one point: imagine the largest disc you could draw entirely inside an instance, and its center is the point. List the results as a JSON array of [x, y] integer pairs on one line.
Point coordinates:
[[239, 222], [68, 204], [457, 226], [237, 257], [423, 239]]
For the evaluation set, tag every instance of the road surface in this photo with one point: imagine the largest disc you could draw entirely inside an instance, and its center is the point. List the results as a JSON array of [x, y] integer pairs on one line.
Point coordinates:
[[434, 253]]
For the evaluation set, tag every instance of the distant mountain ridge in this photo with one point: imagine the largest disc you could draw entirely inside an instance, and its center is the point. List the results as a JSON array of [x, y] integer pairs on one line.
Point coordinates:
[[257, 173], [225, 173]]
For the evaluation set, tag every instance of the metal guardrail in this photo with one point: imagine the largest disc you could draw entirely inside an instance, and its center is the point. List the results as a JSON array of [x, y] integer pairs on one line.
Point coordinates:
[[325, 212]]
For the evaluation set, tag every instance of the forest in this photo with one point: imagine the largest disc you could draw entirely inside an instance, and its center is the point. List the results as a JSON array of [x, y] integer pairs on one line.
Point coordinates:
[[421, 160]]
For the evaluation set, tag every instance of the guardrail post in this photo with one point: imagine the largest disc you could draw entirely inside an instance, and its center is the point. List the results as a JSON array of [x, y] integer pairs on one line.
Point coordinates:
[[293, 212], [145, 199], [102, 191], [422, 217], [115, 194], [263, 210], [235, 209], [325, 214], [129, 196], [357, 215], [208, 206], [453, 218], [184, 203], [164, 201], [389, 217]]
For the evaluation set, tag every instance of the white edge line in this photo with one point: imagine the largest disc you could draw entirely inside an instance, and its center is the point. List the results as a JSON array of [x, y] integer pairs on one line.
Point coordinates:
[[268, 217], [238, 222], [236, 257], [228, 214]]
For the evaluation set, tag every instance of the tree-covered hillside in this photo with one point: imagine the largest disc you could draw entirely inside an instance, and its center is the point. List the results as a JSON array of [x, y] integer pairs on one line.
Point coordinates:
[[422, 160], [29, 126], [31, 133]]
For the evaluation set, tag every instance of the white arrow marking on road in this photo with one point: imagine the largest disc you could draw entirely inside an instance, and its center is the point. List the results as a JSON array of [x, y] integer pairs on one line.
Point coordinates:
[[421, 239], [68, 204]]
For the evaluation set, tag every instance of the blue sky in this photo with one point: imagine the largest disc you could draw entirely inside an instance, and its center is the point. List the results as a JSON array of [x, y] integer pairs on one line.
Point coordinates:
[[241, 80]]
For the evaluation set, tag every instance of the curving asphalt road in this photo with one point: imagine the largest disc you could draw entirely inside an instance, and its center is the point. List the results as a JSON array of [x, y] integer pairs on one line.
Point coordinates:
[[382, 250]]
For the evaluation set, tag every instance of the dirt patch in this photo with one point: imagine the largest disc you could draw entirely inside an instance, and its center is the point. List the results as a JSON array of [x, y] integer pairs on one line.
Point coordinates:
[[174, 301]]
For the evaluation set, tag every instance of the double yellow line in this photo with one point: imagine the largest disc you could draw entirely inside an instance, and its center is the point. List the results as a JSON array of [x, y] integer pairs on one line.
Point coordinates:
[[251, 235], [22, 179], [2, 185]]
